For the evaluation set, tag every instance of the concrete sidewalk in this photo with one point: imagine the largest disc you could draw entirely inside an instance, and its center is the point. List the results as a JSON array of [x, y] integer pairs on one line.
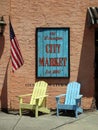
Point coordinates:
[[85, 121]]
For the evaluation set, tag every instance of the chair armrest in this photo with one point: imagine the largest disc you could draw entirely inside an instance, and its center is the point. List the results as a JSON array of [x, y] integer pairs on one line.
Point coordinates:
[[61, 95], [78, 100], [58, 98], [25, 95], [22, 96], [40, 97], [79, 96]]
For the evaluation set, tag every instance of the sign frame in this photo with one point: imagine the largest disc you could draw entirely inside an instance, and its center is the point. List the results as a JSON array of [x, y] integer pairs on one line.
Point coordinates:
[[45, 59]]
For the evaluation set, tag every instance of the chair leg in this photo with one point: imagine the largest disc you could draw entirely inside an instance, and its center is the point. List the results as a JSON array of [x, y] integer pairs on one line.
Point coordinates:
[[36, 111], [57, 112], [76, 113], [20, 111], [78, 110]]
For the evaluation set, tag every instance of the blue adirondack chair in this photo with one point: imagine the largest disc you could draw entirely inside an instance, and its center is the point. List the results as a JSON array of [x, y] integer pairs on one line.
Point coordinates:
[[72, 99]]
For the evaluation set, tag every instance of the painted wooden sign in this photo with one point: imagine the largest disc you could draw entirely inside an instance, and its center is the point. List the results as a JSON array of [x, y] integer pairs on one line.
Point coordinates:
[[52, 52]]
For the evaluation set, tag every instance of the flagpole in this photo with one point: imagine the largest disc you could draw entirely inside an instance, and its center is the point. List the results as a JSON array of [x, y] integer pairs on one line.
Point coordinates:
[[9, 25], [16, 56], [10, 10]]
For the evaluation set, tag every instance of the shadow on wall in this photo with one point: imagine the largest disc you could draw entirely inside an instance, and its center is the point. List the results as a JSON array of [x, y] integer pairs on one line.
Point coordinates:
[[1, 45], [55, 81], [86, 67], [4, 93]]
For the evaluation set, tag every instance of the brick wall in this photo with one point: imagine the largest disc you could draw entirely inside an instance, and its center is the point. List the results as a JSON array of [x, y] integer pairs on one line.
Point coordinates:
[[26, 15]]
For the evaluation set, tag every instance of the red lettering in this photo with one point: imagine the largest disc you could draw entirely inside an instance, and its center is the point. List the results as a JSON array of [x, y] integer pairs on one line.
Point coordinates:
[[52, 61], [47, 62], [56, 71], [52, 38], [58, 46], [60, 61], [50, 48], [52, 33], [53, 48], [64, 61], [47, 48], [41, 61]]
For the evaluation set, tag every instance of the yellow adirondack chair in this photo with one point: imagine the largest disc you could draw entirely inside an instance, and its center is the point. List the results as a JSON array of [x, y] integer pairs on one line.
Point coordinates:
[[38, 99]]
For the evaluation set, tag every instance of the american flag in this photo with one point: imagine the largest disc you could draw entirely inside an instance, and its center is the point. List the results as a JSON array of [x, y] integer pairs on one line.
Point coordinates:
[[16, 56]]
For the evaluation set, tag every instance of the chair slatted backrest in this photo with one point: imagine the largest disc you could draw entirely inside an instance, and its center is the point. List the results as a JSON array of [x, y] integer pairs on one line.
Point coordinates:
[[39, 90], [73, 90]]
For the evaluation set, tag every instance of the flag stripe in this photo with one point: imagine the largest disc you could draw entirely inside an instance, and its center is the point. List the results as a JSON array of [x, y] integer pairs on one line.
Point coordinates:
[[16, 56], [16, 52], [17, 47], [14, 64]]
